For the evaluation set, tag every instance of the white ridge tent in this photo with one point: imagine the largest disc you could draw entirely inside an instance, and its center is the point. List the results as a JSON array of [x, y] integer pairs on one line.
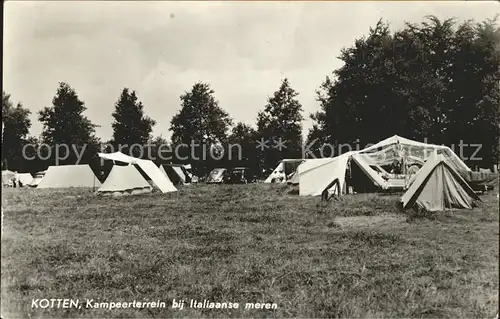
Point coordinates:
[[438, 186], [124, 180], [65, 176], [147, 166], [316, 174]]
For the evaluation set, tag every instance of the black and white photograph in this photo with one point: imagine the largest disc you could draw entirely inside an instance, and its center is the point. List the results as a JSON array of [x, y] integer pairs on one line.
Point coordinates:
[[250, 159]]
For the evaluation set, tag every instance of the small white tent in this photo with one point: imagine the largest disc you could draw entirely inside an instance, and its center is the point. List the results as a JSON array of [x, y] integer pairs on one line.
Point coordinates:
[[148, 167], [438, 186], [65, 176], [124, 180]]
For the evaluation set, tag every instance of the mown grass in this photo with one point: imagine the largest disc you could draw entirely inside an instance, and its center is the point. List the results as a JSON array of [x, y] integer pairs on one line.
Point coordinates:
[[359, 256]]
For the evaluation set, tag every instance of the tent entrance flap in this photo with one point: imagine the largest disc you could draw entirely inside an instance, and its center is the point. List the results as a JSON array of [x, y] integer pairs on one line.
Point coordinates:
[[370, 172]]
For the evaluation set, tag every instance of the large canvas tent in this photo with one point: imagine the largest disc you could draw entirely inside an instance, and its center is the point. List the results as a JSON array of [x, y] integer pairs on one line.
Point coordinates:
[[438, 186], [65, 176], [285, 168], [316, 174], [124, 180], [148, 167]]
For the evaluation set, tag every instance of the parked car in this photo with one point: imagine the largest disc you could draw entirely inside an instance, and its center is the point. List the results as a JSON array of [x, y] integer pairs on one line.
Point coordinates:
[[239, 175]]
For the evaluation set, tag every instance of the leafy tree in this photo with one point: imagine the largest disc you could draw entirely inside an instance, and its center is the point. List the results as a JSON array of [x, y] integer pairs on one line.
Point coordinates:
[[434, 80], [199, 122], [130, 125], [474, 92], [35, 156], [241, 147], [15, 128], [65, 124], [161, 150], [279, 125]]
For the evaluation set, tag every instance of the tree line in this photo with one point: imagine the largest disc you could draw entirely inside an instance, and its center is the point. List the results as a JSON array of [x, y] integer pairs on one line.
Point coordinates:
[[437, 80]]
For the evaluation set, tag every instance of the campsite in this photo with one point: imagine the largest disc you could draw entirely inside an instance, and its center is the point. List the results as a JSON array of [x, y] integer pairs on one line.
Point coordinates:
[[250, 160]]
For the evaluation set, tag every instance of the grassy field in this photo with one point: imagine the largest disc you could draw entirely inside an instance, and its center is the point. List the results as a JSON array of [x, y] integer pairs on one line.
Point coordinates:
[[356, 257]]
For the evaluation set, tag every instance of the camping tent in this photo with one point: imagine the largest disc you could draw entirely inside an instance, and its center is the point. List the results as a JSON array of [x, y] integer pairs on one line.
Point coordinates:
[[25, 178], [7, 177], [438, 186], [124, 180], [148, 167], [316, 174], [285, 168], [65, 176]]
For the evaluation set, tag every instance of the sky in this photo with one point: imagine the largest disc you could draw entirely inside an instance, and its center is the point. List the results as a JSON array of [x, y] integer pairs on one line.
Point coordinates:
[[160, 49]]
